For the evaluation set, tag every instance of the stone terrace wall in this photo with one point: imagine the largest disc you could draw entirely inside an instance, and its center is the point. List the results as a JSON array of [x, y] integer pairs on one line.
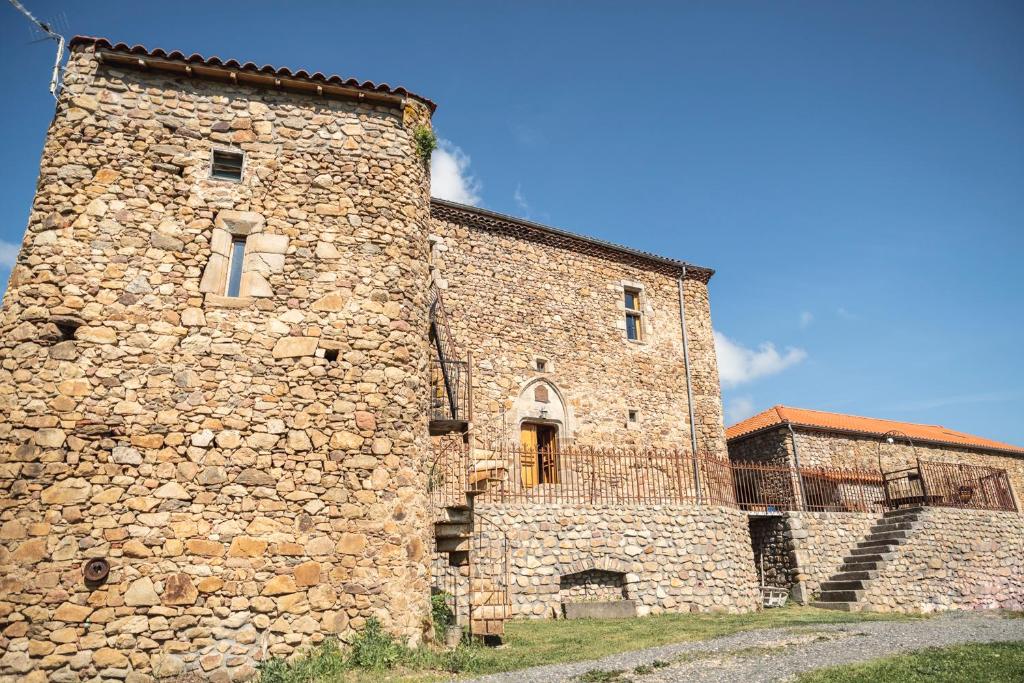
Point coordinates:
[[247, 492], [818, 543], [511, 300], [957, 559], [675, 559]]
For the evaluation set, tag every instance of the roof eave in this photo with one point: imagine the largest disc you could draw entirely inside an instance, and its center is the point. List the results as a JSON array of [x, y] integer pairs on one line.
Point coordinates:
[[213, 68], [854, 432], [664, 262]]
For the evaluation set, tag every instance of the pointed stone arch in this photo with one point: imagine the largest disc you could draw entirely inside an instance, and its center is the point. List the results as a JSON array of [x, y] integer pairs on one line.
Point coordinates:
[[540, 400]]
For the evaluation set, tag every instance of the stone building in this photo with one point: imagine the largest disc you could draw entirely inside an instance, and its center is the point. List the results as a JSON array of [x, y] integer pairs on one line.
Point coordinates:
[[221, 356], [815, 463]]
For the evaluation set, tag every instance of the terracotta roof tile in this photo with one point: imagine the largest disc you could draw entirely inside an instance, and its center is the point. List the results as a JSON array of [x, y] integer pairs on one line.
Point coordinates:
[[252, 67], [800, 417]]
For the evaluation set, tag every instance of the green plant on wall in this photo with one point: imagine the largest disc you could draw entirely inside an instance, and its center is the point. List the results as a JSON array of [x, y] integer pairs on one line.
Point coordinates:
[[426, 142]]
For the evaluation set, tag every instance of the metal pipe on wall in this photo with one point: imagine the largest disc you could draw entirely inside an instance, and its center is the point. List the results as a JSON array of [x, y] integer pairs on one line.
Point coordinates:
[[796, 464], [689, 386]]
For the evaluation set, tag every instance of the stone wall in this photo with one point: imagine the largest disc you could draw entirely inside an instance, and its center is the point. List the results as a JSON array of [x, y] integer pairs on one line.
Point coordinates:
[[818, 543], [513, 300], [772, 547], [956, 559], [253, 468], [671, 559]]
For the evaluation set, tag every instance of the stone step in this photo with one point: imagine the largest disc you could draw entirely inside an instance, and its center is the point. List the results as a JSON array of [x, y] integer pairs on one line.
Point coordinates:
[[896, 526], [856, 575], [861, 567], [835, 584], [868, 555], [452, 529], [841, 606], [903, 512], [453, 544], [889, 536], [841, 596], [881, 545]]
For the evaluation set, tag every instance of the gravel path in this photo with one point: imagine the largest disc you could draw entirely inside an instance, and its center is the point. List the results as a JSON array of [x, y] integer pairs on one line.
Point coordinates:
[[779, 654]]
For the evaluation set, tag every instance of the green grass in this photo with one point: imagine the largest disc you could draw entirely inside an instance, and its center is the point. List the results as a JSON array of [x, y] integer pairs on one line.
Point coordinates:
[[988, 662], [376, 657], [535, 642]]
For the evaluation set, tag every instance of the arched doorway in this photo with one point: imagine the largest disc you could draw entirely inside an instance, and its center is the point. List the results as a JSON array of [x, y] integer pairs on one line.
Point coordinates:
[[544, 423]]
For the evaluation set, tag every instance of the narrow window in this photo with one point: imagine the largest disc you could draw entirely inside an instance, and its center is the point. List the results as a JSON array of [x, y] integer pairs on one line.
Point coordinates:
[[633, 322], [634, 416], [542, 365], [235, 266], [226, 165]]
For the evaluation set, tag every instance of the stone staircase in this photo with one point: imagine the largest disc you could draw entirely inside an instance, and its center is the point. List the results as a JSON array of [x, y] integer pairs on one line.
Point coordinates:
[[454, 535], [845, 590]]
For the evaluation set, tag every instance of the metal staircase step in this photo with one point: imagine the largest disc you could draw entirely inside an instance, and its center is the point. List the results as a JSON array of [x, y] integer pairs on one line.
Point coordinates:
[[454, 544], [452, 530]]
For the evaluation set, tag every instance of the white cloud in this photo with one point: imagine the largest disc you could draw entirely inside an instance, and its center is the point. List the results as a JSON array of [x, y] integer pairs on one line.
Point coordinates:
[[520, 199], [806, 318], [450, 177], [8, 253], [739, 408], [738, 364]]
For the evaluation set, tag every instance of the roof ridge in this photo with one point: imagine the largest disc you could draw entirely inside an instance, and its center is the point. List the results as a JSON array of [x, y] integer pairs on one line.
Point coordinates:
[[846, 422]]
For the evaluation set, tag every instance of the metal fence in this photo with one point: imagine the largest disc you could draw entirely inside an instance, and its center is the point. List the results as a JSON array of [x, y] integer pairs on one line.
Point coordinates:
[[571, 474], [945, 484]]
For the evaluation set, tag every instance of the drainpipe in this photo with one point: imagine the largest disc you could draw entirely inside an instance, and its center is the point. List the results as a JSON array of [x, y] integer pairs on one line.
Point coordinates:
[[689, 386], [796, 463]]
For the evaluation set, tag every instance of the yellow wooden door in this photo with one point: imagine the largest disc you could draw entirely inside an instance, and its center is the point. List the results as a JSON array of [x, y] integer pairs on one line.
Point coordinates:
[[528, 457]]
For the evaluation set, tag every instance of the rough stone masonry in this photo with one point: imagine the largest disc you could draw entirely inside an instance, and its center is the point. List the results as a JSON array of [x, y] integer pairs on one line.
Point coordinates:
[[251, 467]]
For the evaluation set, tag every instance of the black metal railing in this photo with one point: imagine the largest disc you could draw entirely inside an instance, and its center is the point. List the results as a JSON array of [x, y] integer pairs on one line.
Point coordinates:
[[449, 370], [945, 484]]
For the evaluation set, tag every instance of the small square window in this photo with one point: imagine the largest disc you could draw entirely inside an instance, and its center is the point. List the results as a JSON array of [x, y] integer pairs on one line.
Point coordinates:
[[227, 165], [542, 365], [331, 355], [634, 416], [235, 261]]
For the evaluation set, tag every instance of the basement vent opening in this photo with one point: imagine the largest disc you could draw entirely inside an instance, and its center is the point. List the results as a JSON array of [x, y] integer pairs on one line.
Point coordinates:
[[227, 165]]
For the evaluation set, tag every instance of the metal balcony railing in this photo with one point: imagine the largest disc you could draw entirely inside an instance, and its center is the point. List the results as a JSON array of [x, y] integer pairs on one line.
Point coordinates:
[[449, 371]]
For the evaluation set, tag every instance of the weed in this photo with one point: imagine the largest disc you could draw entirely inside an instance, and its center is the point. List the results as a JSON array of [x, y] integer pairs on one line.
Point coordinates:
[[375, 648], [602, 676], [426, 142], [321, 663]]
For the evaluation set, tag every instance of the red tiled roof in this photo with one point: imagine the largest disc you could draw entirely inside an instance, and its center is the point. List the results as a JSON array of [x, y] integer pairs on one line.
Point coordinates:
[[817, 419], [248, 67]]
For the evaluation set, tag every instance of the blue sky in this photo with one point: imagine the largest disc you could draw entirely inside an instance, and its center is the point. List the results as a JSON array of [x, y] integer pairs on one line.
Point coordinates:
[[853, 170]]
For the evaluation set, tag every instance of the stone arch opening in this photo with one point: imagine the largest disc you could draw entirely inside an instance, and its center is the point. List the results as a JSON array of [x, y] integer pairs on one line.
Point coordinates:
[[592, 580]]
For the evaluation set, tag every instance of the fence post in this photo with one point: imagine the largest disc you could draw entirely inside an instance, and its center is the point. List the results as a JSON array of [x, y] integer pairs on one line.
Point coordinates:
[[924, 483]]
